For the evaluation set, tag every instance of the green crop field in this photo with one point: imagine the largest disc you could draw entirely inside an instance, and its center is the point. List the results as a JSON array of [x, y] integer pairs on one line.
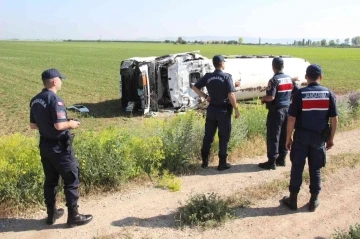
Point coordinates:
[[93, 74]]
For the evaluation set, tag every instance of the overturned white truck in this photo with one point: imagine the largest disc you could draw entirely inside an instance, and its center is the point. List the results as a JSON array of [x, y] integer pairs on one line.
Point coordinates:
[[150, 84]]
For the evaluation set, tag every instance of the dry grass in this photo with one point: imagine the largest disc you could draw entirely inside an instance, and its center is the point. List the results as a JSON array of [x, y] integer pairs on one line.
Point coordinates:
[[96, 193], [15, 211], [340, 161], [247, 197], [255, 146], [250, 195], [353, 124]]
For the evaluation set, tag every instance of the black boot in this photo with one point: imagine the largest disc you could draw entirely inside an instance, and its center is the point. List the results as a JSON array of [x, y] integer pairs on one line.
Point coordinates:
[[280, 160], [291, 202], [223, 165], [53, 214], [205, 160], [313, 203], [76, 219], [270, 164]]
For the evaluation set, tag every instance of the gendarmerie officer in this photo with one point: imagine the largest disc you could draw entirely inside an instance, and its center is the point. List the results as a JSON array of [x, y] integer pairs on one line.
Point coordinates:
[[48, 115], [277, 99], [309, 113], [221, 100]]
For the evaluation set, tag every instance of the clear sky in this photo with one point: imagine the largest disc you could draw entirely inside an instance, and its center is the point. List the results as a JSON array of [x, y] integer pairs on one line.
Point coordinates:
[[126, 19]]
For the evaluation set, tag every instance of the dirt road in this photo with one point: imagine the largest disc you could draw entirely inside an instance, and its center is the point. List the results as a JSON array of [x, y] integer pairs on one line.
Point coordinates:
[[148, 212]]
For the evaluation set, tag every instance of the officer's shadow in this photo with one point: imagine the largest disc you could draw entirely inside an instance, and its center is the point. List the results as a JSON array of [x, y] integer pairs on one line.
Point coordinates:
[[160, 221], [25, 224], [171, 221], [275, 211], [235, 168]]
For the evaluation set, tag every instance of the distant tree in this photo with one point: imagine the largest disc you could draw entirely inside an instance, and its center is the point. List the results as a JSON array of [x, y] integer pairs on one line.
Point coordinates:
[[337, 41], [179, 40], [303, 42], [241, 40], [167, 41], [347, 41], [295, 43], [332, 43], [323, 42], [259, 40], [355, 40], [299, 43], [233, 42]]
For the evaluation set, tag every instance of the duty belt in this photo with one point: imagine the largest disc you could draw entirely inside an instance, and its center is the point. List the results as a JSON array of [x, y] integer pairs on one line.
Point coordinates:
[[273, 107], [222, 106]]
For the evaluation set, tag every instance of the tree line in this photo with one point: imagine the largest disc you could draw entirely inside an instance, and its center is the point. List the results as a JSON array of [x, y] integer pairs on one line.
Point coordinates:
[[129, 41], [355, 42]]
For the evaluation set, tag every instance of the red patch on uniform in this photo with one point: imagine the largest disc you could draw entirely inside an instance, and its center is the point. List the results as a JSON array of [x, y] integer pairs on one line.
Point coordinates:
[[286, 87], [61, 115], [60, 103], [316, 104]]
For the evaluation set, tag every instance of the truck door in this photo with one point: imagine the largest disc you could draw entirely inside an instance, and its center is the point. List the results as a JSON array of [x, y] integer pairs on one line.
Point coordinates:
[[145, 94]]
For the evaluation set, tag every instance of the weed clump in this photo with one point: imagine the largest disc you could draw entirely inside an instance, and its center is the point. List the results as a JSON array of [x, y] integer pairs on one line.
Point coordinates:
[[204, 211], [353, 233], [169, 181]]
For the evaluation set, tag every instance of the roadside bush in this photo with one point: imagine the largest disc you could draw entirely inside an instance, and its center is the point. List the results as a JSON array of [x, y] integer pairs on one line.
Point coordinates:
[[353, 233], [21, 171], [204, 210], [255, 119], [169, 181], [182, 139], [354, 99], [348, 107], [112, 156], [239, 132], [345, 112], [354, 102]]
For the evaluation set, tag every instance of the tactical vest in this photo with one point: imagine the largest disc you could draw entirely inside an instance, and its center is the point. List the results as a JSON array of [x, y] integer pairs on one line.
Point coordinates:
[[315, 108], [283, 92]]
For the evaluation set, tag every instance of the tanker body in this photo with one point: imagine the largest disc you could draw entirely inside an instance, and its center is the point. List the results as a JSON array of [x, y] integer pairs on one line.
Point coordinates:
[[152, 83]]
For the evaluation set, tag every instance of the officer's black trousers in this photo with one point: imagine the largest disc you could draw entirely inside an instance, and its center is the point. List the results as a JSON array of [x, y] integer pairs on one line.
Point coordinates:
[[309, 145], [276, 133], [221, 120], [59, 161]]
